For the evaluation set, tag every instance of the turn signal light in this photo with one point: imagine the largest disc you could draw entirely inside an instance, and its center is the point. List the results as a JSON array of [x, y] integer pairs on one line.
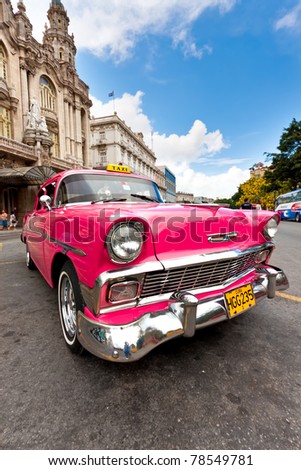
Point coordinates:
[[123, 291]]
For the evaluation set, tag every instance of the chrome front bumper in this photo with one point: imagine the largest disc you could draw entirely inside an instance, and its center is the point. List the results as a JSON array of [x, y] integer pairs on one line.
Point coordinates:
[[184, 314]]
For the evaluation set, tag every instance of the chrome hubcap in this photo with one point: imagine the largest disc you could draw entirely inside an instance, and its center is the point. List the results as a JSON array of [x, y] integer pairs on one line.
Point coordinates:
[[68, 308]]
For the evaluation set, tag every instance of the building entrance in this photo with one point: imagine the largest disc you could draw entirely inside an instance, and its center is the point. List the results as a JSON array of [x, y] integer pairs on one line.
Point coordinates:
[[9, 200]]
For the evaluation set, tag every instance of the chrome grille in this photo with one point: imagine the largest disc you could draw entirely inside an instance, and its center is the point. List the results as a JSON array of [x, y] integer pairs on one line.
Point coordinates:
[[198, 276]]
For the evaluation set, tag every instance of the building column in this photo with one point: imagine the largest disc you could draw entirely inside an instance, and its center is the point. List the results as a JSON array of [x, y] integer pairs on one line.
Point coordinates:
[[78, 136], [71, 121], [24, 95], [67, 128], [86, 130]]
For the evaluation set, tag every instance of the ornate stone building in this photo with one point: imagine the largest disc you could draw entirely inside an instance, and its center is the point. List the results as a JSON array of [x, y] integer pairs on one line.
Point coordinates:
[[258, 170], [112, 141], [44, 106]]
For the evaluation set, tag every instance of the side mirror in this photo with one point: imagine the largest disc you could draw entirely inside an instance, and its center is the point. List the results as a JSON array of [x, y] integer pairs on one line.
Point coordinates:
[[45, 200]]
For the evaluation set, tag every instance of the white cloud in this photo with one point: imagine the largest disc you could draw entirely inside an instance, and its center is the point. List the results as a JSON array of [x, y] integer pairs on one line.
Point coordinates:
[[178, 152], [113, 28], [291, 20], [197, 146], [229, 161], [222, 185]]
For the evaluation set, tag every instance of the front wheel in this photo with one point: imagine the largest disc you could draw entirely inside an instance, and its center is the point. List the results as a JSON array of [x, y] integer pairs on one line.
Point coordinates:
[[297, 218], [69, 302]]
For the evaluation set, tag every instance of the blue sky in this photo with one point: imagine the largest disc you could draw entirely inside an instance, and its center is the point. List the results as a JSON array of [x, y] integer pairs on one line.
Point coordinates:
[[210, 83]]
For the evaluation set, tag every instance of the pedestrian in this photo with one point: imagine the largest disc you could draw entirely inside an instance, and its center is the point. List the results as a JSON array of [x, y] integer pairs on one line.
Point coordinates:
[[12, 221], [246, 204], [258, 205], [3, 220]]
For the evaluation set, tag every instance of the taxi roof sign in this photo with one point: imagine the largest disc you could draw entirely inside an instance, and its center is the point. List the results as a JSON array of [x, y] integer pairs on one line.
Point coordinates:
[[118, 168]]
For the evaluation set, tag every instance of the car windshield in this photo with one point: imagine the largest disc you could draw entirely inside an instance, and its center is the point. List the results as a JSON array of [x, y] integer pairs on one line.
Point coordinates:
[[104, 188]]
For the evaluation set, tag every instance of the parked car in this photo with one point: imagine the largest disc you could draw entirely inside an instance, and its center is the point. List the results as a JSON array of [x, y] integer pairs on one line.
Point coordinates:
[[133, 272]]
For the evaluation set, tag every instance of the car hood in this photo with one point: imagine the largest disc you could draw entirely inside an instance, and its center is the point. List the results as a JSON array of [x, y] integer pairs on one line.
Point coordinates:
[[178, 230]]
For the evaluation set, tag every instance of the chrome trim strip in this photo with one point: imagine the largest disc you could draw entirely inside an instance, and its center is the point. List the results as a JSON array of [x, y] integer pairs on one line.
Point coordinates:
[[132, 271], [216, 256], [66, 247]]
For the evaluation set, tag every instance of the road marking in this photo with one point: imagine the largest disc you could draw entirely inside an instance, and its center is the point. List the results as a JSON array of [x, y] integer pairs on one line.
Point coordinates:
[[287, 296]]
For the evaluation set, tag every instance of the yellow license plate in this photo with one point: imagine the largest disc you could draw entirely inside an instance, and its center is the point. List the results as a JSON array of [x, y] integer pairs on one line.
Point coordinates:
[[240, 299]]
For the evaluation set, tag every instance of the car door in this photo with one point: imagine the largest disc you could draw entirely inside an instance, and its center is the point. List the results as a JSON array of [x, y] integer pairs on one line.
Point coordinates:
[[38, 225]]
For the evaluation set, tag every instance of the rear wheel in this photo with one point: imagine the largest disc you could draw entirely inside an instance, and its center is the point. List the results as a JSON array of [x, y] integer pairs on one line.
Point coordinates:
[[69, 302], [297, 218], [29, 263]]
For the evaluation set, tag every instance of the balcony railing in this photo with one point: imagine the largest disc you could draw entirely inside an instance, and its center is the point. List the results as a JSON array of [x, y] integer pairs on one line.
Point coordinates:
[[12, 148]]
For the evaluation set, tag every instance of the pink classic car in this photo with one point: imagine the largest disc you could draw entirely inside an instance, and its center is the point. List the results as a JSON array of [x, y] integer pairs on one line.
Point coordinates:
[[133, 272]]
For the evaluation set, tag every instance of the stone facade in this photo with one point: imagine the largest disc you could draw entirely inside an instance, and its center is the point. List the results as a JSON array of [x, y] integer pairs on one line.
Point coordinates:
[[44, 106], [185, 197], [258, 170], [112, 141], [203, 200]]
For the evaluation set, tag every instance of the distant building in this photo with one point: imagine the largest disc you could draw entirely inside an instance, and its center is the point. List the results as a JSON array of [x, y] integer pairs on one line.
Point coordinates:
[[170, 181], [112, 141], [44, 106], [185, 197], [203, 200], [258, 170]]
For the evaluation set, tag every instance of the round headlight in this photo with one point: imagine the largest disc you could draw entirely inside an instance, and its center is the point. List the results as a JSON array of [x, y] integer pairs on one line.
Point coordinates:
[[125, 241], [271, 228]]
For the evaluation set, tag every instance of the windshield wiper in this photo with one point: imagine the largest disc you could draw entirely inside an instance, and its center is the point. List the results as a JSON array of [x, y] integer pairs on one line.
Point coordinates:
[[113, 199], [145, 198]]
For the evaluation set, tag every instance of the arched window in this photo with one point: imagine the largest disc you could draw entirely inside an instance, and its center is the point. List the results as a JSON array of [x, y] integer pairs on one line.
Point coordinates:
[[62, 53], [47, 94], [3, 63], [5, 122]]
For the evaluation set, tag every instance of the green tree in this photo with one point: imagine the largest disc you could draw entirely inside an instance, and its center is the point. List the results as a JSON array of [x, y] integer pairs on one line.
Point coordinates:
[[236, 197], [256, 190], [225, 201], [285, 174]]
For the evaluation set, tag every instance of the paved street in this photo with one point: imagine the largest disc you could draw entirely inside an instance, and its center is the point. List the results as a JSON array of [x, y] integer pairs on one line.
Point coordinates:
[[233, 386]]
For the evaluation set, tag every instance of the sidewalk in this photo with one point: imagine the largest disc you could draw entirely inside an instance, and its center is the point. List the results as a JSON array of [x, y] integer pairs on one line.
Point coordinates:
[[4, 234]]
